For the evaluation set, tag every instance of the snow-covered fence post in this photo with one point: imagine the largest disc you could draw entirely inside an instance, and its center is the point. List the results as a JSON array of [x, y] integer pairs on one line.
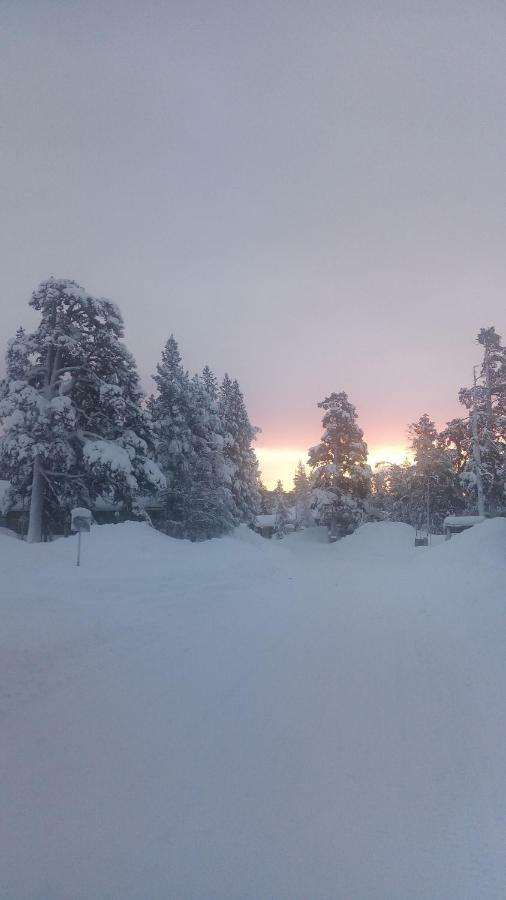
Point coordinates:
[[81, 521]]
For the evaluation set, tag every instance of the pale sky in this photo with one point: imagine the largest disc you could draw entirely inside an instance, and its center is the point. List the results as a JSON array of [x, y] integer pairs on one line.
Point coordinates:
[[309, 195]]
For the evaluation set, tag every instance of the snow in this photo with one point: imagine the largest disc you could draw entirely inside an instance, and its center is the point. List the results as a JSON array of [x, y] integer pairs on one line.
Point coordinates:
[[60, 404], [265, 519], [107, 453], [386, 540], [244, 718]]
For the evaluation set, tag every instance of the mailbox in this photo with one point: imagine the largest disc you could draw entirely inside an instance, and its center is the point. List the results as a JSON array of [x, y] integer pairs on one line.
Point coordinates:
[[81, 519]]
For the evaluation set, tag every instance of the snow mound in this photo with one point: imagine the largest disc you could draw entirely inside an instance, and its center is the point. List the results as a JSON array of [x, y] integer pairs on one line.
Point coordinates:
[[317, 534], [7, 532], [246, 535], [483, 543], [132, 551], [380, 540]]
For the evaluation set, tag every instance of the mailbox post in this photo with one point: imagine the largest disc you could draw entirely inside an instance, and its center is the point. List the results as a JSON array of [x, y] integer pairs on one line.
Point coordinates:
[[81, 521]]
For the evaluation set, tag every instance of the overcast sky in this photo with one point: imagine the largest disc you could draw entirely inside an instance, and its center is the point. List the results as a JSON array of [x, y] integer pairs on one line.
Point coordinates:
[[309, 195]]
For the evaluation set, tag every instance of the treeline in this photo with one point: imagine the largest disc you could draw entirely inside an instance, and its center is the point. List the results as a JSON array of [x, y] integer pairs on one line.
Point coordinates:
[[77, 428], [460, 470]]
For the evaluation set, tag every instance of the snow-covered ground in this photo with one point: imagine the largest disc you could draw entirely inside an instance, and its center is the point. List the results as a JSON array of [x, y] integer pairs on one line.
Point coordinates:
[[248, 719]]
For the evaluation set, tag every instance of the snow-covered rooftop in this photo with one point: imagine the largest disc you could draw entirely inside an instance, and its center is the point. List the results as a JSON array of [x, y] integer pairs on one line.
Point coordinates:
[[463, 521], [266, 519]]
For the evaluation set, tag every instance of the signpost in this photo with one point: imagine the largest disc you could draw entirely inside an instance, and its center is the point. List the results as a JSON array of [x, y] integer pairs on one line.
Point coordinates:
[[81, 521]]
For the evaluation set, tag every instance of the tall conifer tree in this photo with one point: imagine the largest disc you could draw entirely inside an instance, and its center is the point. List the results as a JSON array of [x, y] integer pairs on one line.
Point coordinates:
[[75, 428], [190, 443], [239, 434], [340, 477]]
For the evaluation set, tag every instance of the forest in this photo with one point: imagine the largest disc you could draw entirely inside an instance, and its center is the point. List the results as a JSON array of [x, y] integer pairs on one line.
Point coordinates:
[[77, 428]]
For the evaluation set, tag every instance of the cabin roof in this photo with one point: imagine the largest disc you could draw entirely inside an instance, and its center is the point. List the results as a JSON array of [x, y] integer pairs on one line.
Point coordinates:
[[266, 519], [462, 521]]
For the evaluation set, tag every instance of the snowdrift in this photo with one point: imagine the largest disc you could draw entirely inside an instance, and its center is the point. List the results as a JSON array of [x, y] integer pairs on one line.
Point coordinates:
[[130, 548], [133, 548], [316, 534], [378, 540], [484, 543]]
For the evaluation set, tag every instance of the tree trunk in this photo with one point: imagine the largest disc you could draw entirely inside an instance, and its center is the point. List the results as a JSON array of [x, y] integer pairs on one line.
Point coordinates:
[[36, 504], [477, 454]]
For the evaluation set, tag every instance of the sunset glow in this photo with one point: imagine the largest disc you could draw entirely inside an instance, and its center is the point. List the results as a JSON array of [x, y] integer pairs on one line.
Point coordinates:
[[392, 453], [281, 462]]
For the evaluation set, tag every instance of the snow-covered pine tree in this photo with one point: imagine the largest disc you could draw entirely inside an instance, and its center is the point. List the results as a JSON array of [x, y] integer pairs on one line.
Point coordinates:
[[198, 499], [341, 477], [75, 428], [17, 356], [302, 497], [266, 500], [432, 480], [208, 502], [170, 411], [455, 438], [239, 434], [210, 382], [391, 486], [490, 398], [492, 372], [281, 513], [380, 502]]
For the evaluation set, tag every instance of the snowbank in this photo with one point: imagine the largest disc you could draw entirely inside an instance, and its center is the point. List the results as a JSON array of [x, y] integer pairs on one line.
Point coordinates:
[[130, 549], [378, 540], [485, 542], [316, 534]]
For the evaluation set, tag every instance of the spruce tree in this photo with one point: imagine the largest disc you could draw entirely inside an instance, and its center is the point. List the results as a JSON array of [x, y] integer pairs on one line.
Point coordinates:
[[489, 398], [302, 496], [71, 402], [266, 499], [242, 463], [281, 513], [434, 488], [340, 477], [210, 382], [170, 411], [198, 501], [208, 502]]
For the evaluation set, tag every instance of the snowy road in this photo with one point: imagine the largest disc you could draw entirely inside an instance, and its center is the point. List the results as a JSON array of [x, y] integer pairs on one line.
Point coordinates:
[[247, 720]]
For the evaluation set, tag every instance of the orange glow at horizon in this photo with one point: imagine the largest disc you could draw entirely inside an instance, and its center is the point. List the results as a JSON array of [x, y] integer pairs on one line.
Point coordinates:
[[390, 453], [280, 462]]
